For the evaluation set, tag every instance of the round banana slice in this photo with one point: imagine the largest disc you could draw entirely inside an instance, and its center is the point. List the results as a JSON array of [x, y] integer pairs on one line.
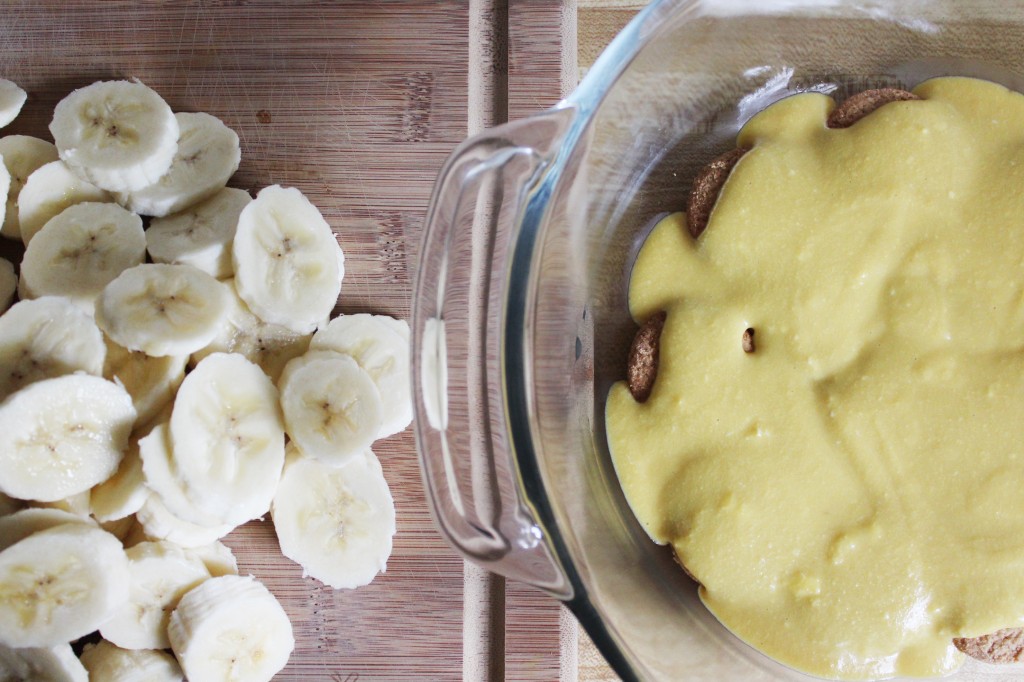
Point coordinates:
[[162, 309], [161, 475], [12, 99], [270, 346], [108, 663], [47, 192], [287, 264], [118, 135], [81, 250], [60, 584], [22, 155], [161, 573], [217, 557], [332, 408], [19, 525], [400, 327], [159, 524], [208, 155], [60, 437], [151, 381], [23, 293], [230, 628], [76, 504], [8, 284], [227, 438], [44, 338], [380, 344], [124, 493], [45, 664], [201, 235], [335, 522]]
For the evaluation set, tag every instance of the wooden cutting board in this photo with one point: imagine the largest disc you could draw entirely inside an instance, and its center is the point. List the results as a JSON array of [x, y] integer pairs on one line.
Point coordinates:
[[357, 104]]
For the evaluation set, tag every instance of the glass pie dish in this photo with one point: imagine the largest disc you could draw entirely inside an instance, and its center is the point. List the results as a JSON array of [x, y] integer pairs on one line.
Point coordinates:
[[521, 322]]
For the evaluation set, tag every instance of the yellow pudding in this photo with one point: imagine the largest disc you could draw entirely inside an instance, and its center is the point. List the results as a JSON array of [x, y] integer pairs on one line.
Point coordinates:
[[849, 495]]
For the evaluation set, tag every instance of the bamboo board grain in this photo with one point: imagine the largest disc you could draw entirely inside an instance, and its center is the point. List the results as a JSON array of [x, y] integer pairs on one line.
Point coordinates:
[[357, 104]]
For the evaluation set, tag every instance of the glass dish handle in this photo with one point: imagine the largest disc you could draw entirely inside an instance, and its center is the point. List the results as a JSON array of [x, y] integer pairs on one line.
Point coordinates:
[[469, 469]]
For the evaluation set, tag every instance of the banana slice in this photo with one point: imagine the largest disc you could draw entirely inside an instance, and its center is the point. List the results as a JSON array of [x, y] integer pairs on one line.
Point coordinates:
[[270, 346], [200, 235], [332, 408], [8, 284], [151, 381], [60, 437], [286, 259], [12, 99], [60, 584], [118, 135], [23, 292], [44, 338], [49, 190], [217, 557], [80, 251], [21, 524], [125, 492], [400, 327], [161, 573], [159, 524], [22, 156], [208, 155], [43, 664], [380, 344], [108, 663], [230, 628], [162, 309], [227, 438], [77, 505], [335, 522], [161, 475]]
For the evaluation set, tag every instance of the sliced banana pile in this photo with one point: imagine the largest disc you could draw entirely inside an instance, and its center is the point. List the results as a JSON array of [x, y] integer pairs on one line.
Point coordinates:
[[161, 386]]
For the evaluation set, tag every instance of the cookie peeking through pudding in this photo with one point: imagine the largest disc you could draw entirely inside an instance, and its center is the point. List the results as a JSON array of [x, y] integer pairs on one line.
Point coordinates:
[[822, 419]]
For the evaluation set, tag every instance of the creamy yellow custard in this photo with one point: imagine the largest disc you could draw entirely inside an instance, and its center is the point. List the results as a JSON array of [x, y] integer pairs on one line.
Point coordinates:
[[850, 496]]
